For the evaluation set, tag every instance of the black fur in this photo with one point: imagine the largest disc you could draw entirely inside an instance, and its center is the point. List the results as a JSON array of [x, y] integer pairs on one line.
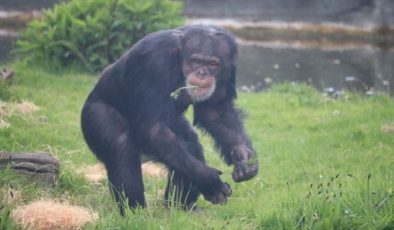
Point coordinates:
[[131, 112]]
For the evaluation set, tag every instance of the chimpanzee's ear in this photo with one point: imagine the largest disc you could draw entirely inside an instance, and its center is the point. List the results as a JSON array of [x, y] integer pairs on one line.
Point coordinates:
[[179, 35]]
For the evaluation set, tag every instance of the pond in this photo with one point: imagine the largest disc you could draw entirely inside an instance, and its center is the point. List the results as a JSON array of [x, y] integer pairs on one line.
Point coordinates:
[[7, 39], [361, 68], [333, 45], [330, 57], [319, 49], [364, 68]]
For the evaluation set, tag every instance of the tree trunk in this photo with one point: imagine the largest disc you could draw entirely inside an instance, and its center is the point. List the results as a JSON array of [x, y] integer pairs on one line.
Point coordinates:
[[38, 166]]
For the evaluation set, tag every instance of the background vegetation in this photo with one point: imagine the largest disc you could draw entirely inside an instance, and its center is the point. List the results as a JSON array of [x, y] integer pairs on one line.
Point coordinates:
[[94, 33], [325, 163]]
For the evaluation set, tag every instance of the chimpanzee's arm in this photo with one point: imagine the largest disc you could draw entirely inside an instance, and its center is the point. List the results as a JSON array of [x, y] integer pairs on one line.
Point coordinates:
[[186, 133], [223, 122], [173, 151]]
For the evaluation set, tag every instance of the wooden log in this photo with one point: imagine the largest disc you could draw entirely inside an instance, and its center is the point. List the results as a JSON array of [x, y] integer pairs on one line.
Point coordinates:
[[38, 166]]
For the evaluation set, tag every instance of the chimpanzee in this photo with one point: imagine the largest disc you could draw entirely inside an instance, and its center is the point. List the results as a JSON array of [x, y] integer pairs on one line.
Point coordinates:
[[137, 108]]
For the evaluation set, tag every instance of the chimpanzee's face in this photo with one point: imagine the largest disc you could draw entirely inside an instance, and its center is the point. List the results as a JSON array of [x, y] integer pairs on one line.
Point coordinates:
[[202, 67], [201, 73]]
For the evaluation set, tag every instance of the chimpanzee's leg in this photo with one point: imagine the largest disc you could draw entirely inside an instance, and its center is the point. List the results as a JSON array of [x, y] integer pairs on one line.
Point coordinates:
[[179, 189], [106, 133], [125, 177]]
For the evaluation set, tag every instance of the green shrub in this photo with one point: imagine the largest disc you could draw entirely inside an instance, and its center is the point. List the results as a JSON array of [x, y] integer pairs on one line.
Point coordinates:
[[94, 33]]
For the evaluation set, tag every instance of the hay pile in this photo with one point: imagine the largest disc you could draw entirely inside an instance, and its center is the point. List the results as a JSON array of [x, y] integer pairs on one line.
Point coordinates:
[[151, 169], [10, 195], [22, 108], [9, 109], [96, 173], [4, 124], [47, 214], [3, 110], [388, 128]]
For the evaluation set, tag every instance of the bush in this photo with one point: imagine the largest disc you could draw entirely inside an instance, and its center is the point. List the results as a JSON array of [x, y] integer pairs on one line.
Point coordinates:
[[94, 33]]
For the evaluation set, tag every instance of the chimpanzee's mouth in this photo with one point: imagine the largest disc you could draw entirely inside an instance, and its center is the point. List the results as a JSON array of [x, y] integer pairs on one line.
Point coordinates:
[[200, 86], [200, 92], [201, 83]]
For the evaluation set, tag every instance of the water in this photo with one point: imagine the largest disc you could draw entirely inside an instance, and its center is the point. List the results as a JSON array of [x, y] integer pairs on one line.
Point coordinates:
[[23, 5], [353, 12], [7, 39], [332, 57], [332, 45], [363, 68]]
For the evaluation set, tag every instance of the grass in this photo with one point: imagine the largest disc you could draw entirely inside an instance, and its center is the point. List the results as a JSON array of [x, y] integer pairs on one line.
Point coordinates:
[[324, 163]]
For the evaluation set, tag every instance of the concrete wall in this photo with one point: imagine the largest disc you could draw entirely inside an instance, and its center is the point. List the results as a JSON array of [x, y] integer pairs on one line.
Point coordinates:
[[355, 12]]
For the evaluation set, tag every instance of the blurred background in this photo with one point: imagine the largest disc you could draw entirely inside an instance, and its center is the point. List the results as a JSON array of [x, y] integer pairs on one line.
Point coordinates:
[[334, 45]]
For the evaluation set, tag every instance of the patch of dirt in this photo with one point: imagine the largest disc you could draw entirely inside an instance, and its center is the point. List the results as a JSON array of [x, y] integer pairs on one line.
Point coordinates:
[[96, 173], [11, 195], [23, 108], [9, 109], [4, 124], [3, 110], [152, 169], [48, 214], [388, 128]]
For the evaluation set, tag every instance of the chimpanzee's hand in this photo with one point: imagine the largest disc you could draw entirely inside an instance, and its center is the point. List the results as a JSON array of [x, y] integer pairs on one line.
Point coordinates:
[[221, 197], [213, 188], [245, 162]]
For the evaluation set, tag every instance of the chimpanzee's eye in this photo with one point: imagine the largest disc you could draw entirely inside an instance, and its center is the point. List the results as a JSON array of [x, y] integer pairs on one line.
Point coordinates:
[[195, 60], [214, 63]]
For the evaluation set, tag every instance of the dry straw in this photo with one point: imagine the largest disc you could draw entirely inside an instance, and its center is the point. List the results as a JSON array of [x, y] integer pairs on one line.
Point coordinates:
[[48, 214], [22, 108], [96, 173], [151, 169], [388, 128], [9, 109]]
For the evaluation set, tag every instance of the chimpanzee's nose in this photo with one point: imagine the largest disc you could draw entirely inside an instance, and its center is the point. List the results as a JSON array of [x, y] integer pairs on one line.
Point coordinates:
[[202, 73]]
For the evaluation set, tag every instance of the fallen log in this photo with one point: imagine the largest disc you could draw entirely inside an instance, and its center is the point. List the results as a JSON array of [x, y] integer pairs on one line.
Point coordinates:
[[40, 167]]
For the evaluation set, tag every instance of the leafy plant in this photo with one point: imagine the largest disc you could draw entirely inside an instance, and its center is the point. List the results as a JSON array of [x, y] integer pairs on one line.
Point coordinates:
[[94, 33]]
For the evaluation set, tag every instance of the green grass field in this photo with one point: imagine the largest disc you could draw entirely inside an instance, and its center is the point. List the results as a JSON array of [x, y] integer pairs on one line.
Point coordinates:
[[324, 163]]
